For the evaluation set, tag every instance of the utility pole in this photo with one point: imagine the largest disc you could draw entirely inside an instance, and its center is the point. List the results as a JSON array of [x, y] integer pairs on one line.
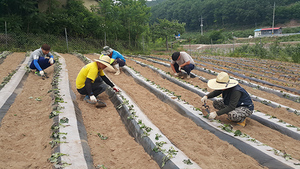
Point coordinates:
[[201, 25], [273, 19]]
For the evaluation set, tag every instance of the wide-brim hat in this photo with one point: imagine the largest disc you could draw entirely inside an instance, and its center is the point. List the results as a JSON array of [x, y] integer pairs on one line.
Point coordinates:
[[222, 82], [104, 59]]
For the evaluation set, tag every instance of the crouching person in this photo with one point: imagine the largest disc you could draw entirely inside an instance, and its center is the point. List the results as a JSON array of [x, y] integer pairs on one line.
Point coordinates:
[[117, 60], [90, 84], [41, 59], [235, 102]]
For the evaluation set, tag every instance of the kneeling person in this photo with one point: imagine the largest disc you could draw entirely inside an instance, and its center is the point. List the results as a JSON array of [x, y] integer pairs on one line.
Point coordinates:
[[89, 83], [41, 59], [236, 102]]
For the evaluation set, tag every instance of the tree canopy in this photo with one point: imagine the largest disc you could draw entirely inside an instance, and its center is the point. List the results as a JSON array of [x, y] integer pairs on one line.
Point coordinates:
[[225, 13]]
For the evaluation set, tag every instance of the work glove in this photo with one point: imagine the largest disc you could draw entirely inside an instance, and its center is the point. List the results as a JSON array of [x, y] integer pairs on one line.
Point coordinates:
[[212, 115], [179, 68], [93, 99], [42, 73], [116, 90], [175, 74], [51, 61], [204, 99]]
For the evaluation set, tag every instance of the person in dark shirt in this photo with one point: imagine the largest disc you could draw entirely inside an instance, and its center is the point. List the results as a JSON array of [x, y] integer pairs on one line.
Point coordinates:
[[235, 102]]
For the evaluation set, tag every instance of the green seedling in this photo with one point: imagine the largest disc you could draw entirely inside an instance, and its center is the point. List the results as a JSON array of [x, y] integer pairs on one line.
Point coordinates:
[[188, 162], [100, 166], [227, 127], [171, 153], [237, 133], [102, 137], [54, 113], [64, 120], [157, 136]]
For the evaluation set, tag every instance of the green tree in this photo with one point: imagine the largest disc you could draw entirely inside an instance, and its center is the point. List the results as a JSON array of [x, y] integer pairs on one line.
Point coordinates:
[[166, 29]]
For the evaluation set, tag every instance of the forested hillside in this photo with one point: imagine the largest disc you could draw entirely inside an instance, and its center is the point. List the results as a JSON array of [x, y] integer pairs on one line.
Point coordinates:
[[226, 13]]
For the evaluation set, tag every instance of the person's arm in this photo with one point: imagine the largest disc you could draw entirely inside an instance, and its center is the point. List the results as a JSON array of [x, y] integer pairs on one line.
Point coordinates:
[[234, 99], [184, 64], [107, 81], [36, 64], [172, 66], [112, 61], [214, 94]]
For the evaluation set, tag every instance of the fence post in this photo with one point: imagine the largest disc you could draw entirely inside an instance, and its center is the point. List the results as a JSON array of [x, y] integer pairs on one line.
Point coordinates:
[[104, 38], [5, 34], [67, 40]]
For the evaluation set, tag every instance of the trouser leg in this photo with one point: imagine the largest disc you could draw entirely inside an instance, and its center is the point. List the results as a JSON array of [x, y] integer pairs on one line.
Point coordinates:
[[237, 115], [43, 62], [98, 86], [188, 68]]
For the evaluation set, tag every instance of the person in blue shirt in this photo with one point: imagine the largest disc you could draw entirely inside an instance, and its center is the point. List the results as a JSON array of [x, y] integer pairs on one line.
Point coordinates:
[[117, 60], [41, 59]]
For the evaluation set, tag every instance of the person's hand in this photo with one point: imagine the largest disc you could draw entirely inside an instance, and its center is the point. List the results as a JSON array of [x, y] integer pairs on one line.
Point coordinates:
[[175, 74], [42, 73], [212, 115], [116, 90], [93, 99], [179, 68], [204, 99], [51, 61]]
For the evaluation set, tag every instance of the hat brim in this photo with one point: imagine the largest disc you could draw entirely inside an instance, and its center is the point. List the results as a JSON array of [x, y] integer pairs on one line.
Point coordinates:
[[213, 84], [108, 66]]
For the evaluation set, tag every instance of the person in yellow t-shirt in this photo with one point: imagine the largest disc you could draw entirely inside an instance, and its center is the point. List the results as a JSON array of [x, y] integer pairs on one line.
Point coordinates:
[[89, 83]]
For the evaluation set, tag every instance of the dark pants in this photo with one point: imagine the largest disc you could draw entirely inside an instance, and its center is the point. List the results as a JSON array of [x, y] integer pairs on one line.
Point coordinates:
[[120, 61], [188, 68], [98, 87], [43, 62]]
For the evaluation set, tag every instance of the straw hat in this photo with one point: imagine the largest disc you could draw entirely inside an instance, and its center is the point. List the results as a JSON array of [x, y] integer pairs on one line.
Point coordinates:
[[222, 82], [104, 59]]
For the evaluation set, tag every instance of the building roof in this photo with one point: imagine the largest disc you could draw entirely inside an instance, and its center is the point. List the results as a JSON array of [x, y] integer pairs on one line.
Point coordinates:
[[265, 29]]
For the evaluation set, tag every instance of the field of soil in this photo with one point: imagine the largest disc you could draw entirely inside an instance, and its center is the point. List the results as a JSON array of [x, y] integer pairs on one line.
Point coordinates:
[[26, 127]]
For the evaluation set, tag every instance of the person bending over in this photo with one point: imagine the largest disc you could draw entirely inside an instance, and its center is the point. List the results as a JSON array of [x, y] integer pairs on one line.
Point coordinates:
[[182, 60], [235, 102], [41, 59], [90, 84]]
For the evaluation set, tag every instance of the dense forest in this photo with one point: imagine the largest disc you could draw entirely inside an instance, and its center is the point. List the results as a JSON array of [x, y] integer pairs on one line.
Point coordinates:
[[226, 13], [137, 22]]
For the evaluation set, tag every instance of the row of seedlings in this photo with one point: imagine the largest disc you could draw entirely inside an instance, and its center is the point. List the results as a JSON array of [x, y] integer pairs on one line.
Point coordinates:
[[264, 154], [157, 145], [282, 94]]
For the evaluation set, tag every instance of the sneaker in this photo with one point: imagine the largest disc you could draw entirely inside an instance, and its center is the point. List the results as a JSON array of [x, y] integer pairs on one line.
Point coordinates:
[[87, 99], [243, 124], [100, 104]]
